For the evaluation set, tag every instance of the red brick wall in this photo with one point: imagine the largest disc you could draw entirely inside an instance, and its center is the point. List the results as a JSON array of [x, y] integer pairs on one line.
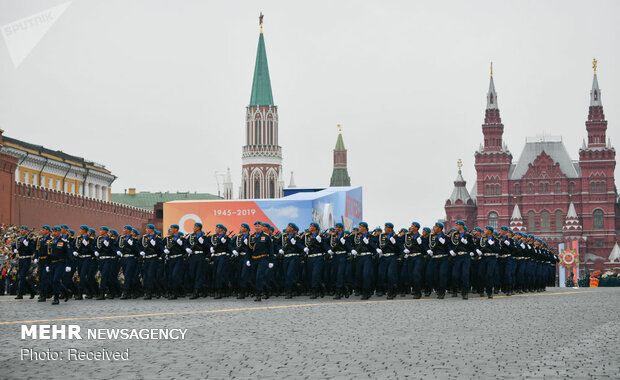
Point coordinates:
[[8, 165]]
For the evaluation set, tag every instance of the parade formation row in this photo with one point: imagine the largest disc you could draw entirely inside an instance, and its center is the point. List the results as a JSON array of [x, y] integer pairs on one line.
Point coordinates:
[[264, 263]]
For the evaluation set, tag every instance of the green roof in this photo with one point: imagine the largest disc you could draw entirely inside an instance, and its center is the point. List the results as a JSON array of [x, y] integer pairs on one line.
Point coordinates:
[[148, 200], [261, 85], [339, 143], [340, 177]]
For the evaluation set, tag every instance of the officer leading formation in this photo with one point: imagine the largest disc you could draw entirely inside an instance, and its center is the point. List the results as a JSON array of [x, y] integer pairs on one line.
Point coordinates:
[[259, 262]]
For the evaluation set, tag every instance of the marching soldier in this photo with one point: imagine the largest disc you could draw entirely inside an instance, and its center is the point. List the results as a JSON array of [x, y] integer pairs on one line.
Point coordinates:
[[414, 262], [291, 249], [315, 248], [220, 253], [241, 251], [461, 250], [150, 244], [175, 248], [339, 249], [364, 247], [198, 245], [105, 253], [262, 252], [438, 269], [128, 247], [504, 261], [24, 248], [58, 252], [83, 251], [388, 250]]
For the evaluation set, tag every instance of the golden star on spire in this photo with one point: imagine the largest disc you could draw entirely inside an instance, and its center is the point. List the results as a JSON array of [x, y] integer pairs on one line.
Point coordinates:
[[459, 163], [339, 129], [594, 64], [491, 69], [260, 22]]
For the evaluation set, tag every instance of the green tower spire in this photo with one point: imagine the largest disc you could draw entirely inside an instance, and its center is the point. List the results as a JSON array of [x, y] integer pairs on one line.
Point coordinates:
[[340, 174], [261, 85]]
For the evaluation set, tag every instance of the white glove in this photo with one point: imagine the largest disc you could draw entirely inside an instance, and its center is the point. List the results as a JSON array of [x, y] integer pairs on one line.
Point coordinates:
[[452, 253], [430, 252], [522, 245], [212, 250], [119, 253], [507, 242], [479, 252], [26, 243], [406, 255], [442, 240], [471, 254], [106, 243], [130, 241], [406, 251], [306, 249], [35, 261], [330, 252], [166, 251], [180, 241], [47, 269], [342, 240], [492, 242], [67, 269], [280, 251], [293, 241], [201, 240], [245, 241], [75, 254], [354, 252], [463, 240], [393, 240], [188, 250], [365, 240], [153, 242], [142, 253], [419, 240], [223, 240], [380, 252], [84, 242], [96, 254], [235, 253], [248, 263], [15, 251], [270, 265], [318, 238]]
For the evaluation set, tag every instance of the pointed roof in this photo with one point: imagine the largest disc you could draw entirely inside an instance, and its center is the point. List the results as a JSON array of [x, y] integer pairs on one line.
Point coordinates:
[[261, 85], [291, 183], [491, 95], [339, 143], [553, 147], [460, 191], [516, 213], [595, 93], [615, 253], [572, 213], [228, 177]]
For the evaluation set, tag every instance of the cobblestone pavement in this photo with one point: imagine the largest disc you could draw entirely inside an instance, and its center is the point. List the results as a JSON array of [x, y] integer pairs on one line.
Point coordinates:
[[556, 334]]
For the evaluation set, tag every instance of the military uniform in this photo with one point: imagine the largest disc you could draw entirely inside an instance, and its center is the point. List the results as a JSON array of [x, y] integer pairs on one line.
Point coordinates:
[[438, 271], [389, 249], [83, 250], [262, 253], [198, 245], [461, 250], [24, 248], [364, 247], [339, 250]]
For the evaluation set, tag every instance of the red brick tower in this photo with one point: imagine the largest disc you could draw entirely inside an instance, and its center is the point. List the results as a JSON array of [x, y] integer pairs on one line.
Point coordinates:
[[460, 205]]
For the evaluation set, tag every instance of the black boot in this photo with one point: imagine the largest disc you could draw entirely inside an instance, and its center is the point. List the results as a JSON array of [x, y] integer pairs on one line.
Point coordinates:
[[465, 294], [314, 295], [41, 298], [289, 294], [101, 297], [455, 293], [195, 295], [56, 300], [31, 296], [417, 294], [147, 295], [441, 294], [338, 294], [218, 295], [365, 296], [19, 297], [257, 299], [68, 294], [124, 296]]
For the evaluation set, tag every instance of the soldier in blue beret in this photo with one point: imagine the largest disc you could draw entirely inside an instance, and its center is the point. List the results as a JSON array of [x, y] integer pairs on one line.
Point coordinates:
[[197, 249], [363, 248], [129, 249], [504, 261], [83, 250], [438, 270], [241, 251], [105, 251], [175, 251], [290, 249], [462, 249], [221, 250], [260, 261], [389, 249], [315, 248], [24, 248], [338, 249], [414, 264]]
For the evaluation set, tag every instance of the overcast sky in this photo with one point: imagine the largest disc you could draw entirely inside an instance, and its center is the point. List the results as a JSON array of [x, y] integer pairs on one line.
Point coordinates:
[[156, 90]]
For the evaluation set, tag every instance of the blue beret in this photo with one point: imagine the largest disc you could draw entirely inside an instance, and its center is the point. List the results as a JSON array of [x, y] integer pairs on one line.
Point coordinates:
[[222, 227], [315, 225], [135, 231], [355, 229], [104, 228], [426, 229], [113, 231], [347, 232], [452, 230], [462, 223], [46, 227], [174, 226], [339, 225], [496, 233], [181, 233], [504, 228], [271, 227], [388, 224], [332, 229], [416, 224], [71, 231], [258, 222], [439, 224], [531, 236], [56, 228], [364, 224], [245, 225], [510, 231], [127, 227], [84, 227], [64, 226], [377, 229], [92, 230], [24, 227], [150, 226], [403, 230], [198, 224], [478, 229], [294, 226], [490, 228], [157, 232]]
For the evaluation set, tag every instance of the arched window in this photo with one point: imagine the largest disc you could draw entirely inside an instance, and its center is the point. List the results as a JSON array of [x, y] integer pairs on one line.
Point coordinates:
[[493, 219], [557, 187], [531, 188], [540, 188], [593, 187], [257, 189], [272, 189], [558, 220], [571, 188], [544, 221], [517, 189], [496, 189], [531, 222], [486, 189], [598, 220]]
